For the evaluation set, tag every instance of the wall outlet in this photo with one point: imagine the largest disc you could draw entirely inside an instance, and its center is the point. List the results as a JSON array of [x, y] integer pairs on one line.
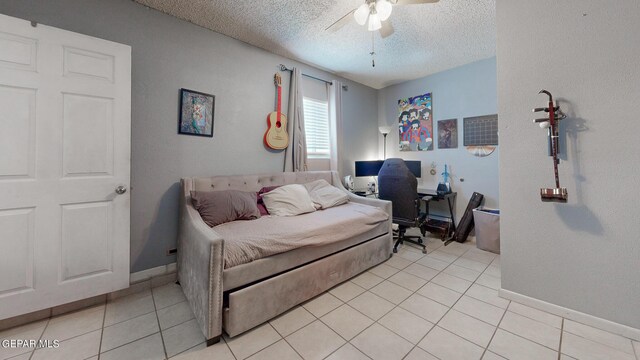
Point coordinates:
[[172, 251]]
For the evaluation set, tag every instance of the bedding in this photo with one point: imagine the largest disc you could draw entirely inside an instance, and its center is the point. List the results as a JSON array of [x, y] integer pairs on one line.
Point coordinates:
[[246, 241]]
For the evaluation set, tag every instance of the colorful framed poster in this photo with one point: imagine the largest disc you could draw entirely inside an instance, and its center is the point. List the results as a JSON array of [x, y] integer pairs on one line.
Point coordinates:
[[196, 113], [415, 122], [448, 134]]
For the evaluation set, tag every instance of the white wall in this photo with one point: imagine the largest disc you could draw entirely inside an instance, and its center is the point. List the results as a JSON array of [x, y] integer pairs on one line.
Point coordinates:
[[583, 255], [468, 90], [169, 54]]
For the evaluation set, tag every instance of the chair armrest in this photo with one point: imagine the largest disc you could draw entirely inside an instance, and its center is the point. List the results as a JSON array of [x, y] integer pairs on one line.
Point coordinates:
[[200, 268]]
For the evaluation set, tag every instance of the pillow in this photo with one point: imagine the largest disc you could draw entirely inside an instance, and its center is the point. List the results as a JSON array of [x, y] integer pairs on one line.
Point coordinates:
[[324, 195], [263, 209], [218, 207], [288, 200]]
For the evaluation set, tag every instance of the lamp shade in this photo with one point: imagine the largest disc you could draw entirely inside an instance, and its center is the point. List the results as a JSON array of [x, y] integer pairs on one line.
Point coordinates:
[[384, 129], [361, 14], [383, 8], [374, 22]]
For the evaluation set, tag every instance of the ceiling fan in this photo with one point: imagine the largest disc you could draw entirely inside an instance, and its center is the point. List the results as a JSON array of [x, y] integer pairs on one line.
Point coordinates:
[[375, 14]]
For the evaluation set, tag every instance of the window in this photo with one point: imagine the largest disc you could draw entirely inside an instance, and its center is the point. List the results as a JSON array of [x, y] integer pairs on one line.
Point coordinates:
[[316, 127]]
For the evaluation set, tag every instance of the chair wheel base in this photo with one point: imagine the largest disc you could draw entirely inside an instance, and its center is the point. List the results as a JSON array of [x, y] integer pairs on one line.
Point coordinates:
[[401, 238]]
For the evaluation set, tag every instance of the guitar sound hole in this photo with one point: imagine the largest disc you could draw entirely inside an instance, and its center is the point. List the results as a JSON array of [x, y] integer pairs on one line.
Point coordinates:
[[278, 124]]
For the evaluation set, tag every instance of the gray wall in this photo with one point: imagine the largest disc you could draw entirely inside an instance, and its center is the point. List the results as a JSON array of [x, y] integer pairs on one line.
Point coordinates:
[[468, 90], [169, 54], [583, 255]]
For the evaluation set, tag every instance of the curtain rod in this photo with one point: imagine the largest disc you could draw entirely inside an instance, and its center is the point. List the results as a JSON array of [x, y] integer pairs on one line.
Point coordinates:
[[284, 68]]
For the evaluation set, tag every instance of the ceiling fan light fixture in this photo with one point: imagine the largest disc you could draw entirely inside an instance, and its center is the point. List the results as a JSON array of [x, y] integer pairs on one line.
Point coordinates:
[[374, 22], [383, 8], [361, 14]]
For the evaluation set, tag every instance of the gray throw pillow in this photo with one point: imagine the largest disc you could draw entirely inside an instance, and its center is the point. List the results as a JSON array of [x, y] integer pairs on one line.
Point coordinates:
[[219, 207]]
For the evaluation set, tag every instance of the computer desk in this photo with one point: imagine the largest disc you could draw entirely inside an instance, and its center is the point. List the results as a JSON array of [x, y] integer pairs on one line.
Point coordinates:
[[443, 228]]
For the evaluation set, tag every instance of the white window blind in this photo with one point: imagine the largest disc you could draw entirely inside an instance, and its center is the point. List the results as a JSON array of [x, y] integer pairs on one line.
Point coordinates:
[[316, 127]]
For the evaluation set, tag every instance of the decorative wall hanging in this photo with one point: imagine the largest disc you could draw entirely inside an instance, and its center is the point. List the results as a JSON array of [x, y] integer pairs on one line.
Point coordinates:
[[415, 123], [552, 124], [481, 151], [448, 134], [276, 136], [481, 130], [196, 113], [481, 134]]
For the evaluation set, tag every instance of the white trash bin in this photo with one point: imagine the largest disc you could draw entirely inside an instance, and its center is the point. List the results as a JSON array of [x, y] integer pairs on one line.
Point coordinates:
[[487, 227]]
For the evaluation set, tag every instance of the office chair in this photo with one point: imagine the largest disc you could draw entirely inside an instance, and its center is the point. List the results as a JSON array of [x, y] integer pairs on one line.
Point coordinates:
[[397, 184]]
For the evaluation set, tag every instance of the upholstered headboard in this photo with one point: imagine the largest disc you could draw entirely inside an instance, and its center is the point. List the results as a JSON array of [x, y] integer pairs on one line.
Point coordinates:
[[256, 182]]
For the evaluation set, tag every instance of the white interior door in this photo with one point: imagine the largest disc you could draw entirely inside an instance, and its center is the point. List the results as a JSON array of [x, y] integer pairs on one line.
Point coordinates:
[[65, 129]]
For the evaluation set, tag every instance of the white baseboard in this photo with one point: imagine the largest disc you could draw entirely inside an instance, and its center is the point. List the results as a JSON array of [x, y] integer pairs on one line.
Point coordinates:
[[574, 315], [138, 281], [147, 274]]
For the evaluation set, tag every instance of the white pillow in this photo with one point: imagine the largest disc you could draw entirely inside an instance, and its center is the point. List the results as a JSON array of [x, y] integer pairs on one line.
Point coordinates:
[[288, 200], [324, 195]]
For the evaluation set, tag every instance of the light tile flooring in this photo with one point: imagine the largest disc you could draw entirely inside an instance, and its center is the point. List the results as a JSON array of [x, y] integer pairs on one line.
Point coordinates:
[[441, 306]]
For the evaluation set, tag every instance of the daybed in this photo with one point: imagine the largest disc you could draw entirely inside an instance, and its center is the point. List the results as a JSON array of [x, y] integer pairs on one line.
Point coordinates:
[[243, 296]]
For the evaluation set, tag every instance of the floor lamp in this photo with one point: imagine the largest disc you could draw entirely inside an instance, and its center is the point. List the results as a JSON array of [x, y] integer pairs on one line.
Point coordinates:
[[385, 130]]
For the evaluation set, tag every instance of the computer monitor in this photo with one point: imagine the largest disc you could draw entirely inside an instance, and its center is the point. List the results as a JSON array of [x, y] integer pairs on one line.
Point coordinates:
[[368, 168], [372, 168], [415, 166]]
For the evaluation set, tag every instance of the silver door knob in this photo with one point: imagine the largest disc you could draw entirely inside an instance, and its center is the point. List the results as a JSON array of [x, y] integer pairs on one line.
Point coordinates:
[[121, 190]]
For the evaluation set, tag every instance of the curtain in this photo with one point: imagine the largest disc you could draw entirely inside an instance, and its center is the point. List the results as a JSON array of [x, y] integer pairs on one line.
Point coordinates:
[[295, 155], [335, 125]]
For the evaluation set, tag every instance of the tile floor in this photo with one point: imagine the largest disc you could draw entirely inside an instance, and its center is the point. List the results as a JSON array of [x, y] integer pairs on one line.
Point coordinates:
[[441, 306]]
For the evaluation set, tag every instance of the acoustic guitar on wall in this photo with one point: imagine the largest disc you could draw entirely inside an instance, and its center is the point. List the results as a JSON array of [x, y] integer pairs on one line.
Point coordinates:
[[276, 136]]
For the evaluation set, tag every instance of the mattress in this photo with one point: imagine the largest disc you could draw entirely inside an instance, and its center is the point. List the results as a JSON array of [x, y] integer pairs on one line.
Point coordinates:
[[249, 240]]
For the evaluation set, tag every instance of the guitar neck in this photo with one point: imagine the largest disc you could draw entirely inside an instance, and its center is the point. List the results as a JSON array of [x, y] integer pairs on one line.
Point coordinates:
[[278, 108]]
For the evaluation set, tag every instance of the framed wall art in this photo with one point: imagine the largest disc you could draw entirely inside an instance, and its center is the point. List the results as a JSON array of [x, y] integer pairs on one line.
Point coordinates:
[[196, 113], [415, 123], [448, 134]]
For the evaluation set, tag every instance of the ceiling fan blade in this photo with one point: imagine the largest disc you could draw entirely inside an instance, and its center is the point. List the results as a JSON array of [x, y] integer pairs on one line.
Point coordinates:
[[387, 29], [341, 22], [410, 2]]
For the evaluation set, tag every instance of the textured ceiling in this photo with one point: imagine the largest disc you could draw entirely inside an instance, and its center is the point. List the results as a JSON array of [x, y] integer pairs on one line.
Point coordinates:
[[428, 38]]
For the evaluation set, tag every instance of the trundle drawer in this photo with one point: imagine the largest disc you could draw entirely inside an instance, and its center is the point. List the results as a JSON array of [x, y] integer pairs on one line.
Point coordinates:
[[253, 305]]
